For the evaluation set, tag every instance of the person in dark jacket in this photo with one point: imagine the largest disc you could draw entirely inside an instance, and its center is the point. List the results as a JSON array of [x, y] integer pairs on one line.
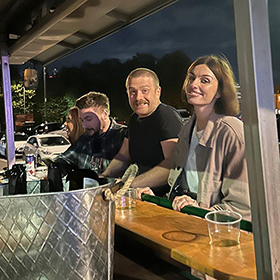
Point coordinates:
[[102, 139], [152, 134]]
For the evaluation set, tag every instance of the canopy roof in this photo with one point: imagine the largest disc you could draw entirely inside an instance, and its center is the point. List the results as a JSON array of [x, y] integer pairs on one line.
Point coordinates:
[[43, 31]]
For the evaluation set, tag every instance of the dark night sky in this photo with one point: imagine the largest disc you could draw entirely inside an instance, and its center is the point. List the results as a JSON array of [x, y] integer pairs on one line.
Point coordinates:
[[196, 27]]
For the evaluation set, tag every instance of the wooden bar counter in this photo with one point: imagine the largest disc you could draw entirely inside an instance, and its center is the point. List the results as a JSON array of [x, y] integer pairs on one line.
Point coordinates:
[[185, 238]]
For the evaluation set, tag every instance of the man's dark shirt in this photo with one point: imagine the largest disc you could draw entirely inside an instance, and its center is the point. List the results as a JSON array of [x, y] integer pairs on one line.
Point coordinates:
[[146, 134], [81, 154]]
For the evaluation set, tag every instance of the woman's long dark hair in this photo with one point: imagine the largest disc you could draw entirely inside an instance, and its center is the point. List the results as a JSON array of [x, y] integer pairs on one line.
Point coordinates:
[[77, 125], [227, 104]]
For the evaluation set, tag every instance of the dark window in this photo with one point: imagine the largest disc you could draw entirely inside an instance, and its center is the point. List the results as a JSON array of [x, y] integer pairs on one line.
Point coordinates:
[[53, 141], [20, 137]]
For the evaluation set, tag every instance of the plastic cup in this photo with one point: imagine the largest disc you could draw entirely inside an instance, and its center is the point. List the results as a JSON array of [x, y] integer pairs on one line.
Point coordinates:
[[41, 172], [128, 200], [224, 228], [96, 163]]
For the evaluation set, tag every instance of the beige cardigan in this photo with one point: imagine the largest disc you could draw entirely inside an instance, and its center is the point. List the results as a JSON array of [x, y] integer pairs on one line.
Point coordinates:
[[221, 165]]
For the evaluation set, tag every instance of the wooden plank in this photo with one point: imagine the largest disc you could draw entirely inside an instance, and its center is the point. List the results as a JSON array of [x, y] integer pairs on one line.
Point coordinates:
[[185, 238], [236, 262]]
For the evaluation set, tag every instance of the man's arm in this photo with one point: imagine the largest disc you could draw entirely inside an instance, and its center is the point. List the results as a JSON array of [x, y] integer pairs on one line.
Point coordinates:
[[67, 160], [157, 176], [119, 163]]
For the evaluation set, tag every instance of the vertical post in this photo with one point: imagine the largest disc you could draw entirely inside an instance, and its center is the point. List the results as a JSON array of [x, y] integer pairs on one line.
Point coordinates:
[[45, 94], [255, 77], [24, 99], [10, 141]]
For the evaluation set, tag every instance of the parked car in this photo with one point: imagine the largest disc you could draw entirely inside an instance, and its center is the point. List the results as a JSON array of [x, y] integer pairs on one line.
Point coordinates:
[[45, 146], [62, 132], [185, 115], [27, 129], [20, 140], [47, 127]]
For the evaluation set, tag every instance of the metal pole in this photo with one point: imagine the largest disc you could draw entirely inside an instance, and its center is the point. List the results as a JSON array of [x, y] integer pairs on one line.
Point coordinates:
[[255, 76], [45, 94], [24, 99], [10, 141]]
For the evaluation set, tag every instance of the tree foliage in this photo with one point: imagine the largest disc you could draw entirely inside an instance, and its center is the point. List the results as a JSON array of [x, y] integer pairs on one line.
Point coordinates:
[[21, 98], [108, 77], [172, 69], [56, 109]]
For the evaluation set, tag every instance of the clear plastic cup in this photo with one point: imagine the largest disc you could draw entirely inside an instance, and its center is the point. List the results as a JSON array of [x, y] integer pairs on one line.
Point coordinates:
[[128, 200], [224, 228]]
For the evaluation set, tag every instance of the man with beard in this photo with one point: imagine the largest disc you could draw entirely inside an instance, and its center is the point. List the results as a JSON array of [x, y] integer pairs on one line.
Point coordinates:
[[102, 140], [152, 134]]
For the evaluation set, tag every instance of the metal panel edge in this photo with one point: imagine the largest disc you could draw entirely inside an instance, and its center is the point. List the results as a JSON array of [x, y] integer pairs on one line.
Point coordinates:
[[255, 73]]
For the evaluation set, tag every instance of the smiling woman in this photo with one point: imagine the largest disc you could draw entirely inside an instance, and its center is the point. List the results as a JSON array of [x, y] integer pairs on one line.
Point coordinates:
[[209, 167], [202, 87]]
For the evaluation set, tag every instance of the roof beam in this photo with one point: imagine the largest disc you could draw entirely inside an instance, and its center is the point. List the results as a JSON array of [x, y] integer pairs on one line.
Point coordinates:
[[114, 28], [67, 45], [46, 23], [101, 35], [83, 36], [119, 16]]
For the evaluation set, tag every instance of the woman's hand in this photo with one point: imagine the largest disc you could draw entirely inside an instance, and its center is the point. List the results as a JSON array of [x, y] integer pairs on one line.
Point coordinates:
[[180, 202], [145, 190]]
